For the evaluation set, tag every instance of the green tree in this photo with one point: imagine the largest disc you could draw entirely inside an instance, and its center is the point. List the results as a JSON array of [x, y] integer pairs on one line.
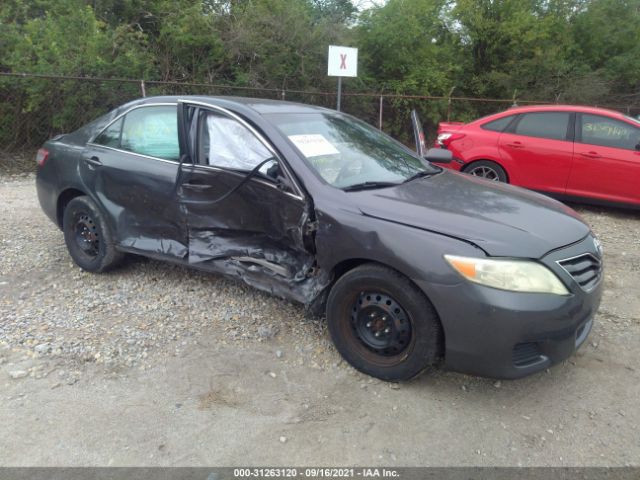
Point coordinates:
[[521, 45], [62, 37], [607, 35], [277, 43], [407, 47]]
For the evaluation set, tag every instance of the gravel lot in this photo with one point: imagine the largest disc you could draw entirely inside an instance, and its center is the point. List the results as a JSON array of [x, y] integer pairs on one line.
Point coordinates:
[[154, 364]]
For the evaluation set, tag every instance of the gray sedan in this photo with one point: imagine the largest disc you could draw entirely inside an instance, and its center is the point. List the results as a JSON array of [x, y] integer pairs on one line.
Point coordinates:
[[413, 265]]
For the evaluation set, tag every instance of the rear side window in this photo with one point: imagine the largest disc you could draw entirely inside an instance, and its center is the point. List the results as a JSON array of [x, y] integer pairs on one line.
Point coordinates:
[[110, 137], [607, 132], [152, 131], [497, 125], [551, 125]]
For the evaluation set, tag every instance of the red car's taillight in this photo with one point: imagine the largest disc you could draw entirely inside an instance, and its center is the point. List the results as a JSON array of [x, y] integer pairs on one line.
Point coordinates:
[[445, 138], [42, 156]]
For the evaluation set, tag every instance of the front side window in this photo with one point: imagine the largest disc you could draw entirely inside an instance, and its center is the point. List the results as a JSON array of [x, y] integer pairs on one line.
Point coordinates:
[[551, 125], [226, 143], [346, 152], [607, 132], [152, 131]]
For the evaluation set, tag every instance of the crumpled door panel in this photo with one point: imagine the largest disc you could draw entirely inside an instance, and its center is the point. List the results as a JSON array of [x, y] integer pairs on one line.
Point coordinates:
[[257, 235], [258, 261]]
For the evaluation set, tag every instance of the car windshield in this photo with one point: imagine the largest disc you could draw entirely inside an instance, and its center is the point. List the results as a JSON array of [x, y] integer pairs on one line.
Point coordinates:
[[347, 152]]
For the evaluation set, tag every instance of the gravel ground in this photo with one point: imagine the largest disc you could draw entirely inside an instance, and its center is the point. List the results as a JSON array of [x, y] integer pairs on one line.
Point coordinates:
[[154, 364]]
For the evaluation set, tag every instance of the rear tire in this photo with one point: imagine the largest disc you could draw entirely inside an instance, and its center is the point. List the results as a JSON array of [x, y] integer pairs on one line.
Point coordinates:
[[88, 237], [382, 324], [488, 170]]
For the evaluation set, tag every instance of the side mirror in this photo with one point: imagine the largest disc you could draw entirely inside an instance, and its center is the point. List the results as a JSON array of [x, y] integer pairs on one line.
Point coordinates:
[[275, 173], [439, 155]]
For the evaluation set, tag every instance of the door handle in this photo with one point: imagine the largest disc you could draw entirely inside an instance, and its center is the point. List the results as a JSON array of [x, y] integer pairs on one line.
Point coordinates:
[[198, 187], [93, 161], [590, 154], [515, 145]]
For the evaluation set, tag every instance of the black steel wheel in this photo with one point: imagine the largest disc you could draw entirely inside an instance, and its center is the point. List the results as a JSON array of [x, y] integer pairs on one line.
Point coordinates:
[[88, 237], [488, 170], [382, 324]]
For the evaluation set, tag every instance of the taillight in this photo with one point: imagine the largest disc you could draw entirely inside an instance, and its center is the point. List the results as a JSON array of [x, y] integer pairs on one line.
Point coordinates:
[[42, 156], [444, 139]]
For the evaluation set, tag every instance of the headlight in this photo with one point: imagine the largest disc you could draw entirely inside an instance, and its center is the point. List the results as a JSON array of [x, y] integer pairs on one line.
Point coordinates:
[[514, 275]]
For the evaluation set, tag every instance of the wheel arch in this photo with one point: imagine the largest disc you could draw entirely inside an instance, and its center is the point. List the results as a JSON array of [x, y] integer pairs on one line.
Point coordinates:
[[487, 159], [349, 264], [406, 293], [63, 200]]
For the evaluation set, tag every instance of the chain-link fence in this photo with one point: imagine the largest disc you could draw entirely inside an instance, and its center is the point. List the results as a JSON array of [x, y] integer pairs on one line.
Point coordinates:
[[34, 108]]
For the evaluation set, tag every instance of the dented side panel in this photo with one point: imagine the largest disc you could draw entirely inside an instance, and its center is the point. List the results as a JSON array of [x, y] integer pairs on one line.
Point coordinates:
[[259, 234], [137, 195]]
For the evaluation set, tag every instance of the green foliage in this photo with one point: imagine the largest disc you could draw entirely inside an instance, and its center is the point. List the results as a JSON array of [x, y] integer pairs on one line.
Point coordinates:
[[407, 49], [607, 36], [64, 37], [581, 51]]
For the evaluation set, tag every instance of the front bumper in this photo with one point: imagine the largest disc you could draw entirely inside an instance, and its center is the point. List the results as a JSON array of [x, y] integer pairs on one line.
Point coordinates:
[[501, 334]]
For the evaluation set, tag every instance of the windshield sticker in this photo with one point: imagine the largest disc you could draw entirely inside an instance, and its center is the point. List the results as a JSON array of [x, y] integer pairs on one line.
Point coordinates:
[[313, 145]]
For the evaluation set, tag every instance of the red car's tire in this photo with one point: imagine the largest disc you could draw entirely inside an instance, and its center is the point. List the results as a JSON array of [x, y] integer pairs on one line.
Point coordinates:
[[488, 170]]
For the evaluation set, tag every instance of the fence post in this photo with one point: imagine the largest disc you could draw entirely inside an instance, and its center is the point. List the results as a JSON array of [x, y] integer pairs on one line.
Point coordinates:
[[515, 98], [380, 113], [142, 88], [283, 94], [449, 104]]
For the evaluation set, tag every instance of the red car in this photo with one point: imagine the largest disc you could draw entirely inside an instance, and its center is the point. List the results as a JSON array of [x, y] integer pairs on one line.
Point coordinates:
[[567, 151]]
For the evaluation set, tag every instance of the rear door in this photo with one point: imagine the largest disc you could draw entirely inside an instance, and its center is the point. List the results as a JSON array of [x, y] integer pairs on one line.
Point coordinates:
[[537, 150], [131, 167], [606, 163], [261, 231]]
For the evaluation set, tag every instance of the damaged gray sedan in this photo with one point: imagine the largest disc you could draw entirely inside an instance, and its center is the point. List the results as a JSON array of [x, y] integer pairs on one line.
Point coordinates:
[[413, 265]]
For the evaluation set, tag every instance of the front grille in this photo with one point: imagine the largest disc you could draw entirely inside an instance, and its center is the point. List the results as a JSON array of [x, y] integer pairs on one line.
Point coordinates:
[[525, 354], [585, 269]]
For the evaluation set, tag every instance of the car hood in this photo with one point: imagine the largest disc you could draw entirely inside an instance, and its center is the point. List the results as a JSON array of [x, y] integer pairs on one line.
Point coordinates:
[[501, 219]]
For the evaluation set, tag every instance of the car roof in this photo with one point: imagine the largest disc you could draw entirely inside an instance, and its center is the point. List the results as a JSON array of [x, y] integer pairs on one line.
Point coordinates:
[[563, 108], [259, 105]]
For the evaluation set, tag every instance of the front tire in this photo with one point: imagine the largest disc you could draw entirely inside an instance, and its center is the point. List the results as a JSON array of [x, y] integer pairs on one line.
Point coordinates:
[[88, 237], [382, 324], [488, 170]]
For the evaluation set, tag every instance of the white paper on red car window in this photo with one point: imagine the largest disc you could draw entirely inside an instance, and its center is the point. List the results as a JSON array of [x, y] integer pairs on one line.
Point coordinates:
[[313, 145]]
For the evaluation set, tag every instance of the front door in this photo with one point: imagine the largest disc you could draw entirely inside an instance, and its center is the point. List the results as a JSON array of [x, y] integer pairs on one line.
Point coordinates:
[[260, 231]]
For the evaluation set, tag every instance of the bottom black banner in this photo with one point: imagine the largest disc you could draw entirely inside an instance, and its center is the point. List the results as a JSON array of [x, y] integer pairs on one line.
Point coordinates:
[[230, 473]]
